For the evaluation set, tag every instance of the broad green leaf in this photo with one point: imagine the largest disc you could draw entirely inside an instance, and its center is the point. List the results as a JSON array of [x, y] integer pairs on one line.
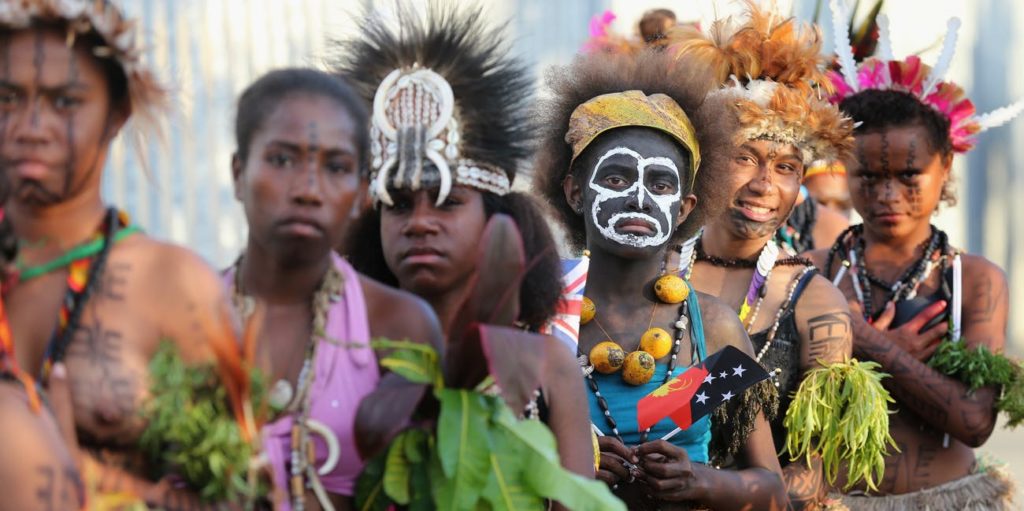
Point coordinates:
[[415, 366], [370, 494], [546, 477], [415, 445], [506, 489], [421, 494], [396, 471], [463, 446]]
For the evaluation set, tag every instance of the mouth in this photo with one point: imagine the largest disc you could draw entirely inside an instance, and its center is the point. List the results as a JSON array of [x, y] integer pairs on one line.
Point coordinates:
[[636, 226], [422, 255], [302, 227], [756, 212], [30, 169], [887, 217]]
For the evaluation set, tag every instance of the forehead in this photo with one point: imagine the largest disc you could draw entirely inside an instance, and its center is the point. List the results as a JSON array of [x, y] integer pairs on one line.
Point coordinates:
[[42, 55], [310, 119], [647, 142], [902, 139], [767, 147]]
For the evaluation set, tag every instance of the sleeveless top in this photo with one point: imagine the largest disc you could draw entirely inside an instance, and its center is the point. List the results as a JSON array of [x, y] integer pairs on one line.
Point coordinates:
[[623, 397], [784, 354], [344, 375]]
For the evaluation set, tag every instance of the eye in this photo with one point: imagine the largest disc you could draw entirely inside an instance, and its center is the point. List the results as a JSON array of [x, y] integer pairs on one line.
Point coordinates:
[[909, 175], [662, 187], [787, 168], [340, 167], [280, 160], [400, 205], [66, 102], [8, 98], [615, 181], [452, 201], [746, 159]]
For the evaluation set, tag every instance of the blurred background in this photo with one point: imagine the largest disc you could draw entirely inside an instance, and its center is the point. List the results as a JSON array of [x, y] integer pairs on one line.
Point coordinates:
[[209, 50]]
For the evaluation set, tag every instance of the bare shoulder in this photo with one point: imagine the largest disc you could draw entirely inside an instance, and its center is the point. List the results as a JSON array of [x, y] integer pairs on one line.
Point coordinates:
[[560, 359], [979, 268], [722, 326], [36, 471], [821, 296], [175, 289], [397, 314]]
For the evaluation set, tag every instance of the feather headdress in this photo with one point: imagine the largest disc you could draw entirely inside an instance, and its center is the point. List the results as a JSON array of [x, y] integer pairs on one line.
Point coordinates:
[[911, 76], [773, 67], [449, 105], [147, 98]]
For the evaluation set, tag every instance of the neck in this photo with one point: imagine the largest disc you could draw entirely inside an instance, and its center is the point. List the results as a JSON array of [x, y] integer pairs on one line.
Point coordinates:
[[57, 227], [276, 281], [447, 304], [622, 277], [719, 242], [902, 249]]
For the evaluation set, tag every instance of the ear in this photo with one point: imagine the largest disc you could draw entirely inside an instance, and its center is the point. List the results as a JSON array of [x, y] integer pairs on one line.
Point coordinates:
[[236, 175], [573, 192], [686, 206]]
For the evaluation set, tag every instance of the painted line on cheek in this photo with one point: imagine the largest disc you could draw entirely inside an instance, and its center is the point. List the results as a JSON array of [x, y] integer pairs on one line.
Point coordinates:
[[69, 128], [37, 61]]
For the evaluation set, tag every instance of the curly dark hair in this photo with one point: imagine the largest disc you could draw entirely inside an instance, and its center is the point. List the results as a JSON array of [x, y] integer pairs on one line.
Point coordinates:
[[651, 72], [876, 110], [541, 289]]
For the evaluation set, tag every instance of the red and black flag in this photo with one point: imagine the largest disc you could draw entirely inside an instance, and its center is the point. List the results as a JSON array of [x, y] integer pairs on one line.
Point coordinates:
[[700, 389]]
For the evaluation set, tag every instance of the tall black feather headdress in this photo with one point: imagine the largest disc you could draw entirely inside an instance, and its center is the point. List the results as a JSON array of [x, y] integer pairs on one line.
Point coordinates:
[[450, 106]]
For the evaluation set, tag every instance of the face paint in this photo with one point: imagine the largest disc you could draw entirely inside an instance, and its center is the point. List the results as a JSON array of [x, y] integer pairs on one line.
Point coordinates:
[[638, 191]]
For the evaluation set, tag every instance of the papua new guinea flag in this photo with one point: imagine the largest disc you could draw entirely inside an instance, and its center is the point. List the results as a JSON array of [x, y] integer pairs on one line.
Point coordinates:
[[700, 389]]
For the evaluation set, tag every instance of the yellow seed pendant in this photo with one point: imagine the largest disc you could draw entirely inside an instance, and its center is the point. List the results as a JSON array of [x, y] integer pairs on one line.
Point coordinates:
[[607, 357], [587, 311], [657, 342], [638, 368], [671, 289]]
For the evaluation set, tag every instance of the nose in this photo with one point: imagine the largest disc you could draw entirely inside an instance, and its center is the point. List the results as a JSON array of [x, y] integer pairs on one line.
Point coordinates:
[[26, 124], [641, 202], [306, 189], [887, 192], [762, 183], [422, 220]]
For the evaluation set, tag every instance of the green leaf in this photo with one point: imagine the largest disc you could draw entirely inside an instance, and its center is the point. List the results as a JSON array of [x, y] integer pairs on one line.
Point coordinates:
[[396, 471], [506, 489], [463, 446], [545, 477], [370, 494]]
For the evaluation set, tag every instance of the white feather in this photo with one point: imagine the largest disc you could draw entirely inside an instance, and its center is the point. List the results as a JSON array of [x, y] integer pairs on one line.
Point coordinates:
[[945, 58], [841, 36], [1000, 116], [760, 91], [884, 50]]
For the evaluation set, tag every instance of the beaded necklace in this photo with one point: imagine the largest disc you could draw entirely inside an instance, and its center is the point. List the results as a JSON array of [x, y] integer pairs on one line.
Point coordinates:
[[934, 253], [83, 275], [302, 469], [681, 326]]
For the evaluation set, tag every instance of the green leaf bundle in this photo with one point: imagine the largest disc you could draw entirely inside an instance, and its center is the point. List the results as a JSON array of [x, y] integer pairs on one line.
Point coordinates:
[[840, 412], [192, 431], [980, 367], [479, 456]]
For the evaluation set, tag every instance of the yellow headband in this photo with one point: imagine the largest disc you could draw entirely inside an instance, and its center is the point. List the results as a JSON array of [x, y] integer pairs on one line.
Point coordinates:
[[836, 168], [632, 108]]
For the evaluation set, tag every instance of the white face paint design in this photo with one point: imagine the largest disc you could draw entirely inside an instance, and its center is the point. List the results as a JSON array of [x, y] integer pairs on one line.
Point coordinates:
[[639, 192]]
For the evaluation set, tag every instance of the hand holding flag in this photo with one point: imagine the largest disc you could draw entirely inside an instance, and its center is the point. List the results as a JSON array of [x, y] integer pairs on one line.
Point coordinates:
[[700, 389]]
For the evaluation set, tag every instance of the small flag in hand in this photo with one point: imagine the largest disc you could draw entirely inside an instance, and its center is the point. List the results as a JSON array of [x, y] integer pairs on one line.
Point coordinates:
[[700, 389]]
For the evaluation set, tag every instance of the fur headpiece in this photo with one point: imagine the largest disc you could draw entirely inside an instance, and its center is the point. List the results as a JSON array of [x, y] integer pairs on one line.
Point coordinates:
[[925, 83], [82, 17], [772, 69], [449, 105]]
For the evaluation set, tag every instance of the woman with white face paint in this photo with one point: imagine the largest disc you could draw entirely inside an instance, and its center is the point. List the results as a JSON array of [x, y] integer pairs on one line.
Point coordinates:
[[797, 320], [619, 165]]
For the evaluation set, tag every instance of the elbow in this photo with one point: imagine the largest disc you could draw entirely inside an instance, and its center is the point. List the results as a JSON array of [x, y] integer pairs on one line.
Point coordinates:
[[977, 435]]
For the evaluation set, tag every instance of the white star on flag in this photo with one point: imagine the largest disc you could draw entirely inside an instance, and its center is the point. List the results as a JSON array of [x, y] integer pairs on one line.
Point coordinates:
[[727, 396], [723, 374], [738, 370], [701, 398], [709, 378]]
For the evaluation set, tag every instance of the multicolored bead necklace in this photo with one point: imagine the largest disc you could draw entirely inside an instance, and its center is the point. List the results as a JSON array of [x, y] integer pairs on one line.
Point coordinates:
[[85, 269]]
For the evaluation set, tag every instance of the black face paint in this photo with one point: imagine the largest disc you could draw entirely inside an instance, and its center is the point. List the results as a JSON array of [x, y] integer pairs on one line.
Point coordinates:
[[313, 153], [37, 61], [69, 130], [884, 157]]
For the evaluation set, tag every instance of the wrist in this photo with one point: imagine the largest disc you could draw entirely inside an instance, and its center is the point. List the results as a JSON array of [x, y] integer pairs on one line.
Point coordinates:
[[699, 484]]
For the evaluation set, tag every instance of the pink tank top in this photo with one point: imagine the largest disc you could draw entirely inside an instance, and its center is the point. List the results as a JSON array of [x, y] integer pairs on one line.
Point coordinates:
[[344, 375]]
